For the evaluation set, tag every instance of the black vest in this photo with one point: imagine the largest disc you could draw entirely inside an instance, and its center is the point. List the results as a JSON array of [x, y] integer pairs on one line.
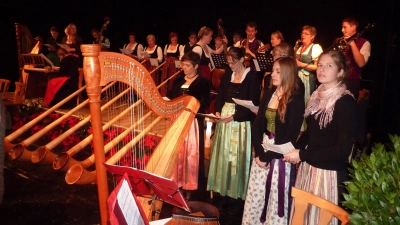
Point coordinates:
[[203, 60], [188, 48], [175, 54], [154, 54]]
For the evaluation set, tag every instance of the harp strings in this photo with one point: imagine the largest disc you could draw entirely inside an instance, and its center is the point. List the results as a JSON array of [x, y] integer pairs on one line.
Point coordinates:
[[140, 148]]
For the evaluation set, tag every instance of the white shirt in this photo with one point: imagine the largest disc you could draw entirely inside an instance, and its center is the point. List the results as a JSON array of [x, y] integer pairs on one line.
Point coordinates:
[[316, 51], [159, 53], [247, 70], [366, 50], [181, 52], [139, 49], [199, 50]]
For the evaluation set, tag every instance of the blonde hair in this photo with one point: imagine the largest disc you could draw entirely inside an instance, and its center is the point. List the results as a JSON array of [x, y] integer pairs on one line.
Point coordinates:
[[71, 37], [151, 36], [204, 31], [279, 35]]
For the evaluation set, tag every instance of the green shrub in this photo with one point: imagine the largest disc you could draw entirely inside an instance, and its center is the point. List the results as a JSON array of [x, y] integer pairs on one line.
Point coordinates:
[[374, 190]]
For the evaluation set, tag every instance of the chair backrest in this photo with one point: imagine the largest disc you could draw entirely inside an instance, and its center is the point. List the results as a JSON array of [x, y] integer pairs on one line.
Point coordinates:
[[20, 89], [4, 84], [327, 208]]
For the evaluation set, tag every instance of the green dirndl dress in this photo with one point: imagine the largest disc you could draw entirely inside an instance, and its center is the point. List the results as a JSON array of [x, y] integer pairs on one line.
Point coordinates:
[[230, 158]]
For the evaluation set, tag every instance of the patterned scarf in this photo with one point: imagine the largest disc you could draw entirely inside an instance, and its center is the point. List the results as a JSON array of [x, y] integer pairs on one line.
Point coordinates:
[[322, 102]]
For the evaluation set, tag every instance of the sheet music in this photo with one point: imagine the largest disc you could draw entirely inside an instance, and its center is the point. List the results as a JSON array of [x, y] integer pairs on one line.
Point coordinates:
[[128, 205], [126, 51], [256, 65], [66, 47], [48, 45], [210, 115], [154, 62], [246, 103], [178, 64], [281, 149], [160, 222], [145, 54]]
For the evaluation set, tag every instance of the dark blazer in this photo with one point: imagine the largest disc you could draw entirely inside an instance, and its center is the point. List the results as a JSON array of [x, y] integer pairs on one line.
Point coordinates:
[[329, 148], [284, 132], [199, 88], [249, 90]]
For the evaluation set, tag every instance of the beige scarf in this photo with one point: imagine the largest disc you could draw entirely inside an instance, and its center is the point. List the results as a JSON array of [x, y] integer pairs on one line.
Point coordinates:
[[322, 102]]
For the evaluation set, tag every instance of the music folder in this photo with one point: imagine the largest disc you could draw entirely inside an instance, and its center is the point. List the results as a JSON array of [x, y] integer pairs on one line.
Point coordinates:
[[123, 205], [147, 185], [66, 47], [154, 62], [178, 64], [263, 62], [126, 51], [218, 61]]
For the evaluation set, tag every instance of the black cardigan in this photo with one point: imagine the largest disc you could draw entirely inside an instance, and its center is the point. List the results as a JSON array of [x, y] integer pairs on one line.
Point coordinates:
[[284, 132], [199, 88], [329, 148], [248, 90]]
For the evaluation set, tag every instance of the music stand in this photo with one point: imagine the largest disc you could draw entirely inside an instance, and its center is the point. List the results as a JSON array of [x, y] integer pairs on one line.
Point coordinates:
[[36, 60], [263, 62], [147, 184], [218, 61]]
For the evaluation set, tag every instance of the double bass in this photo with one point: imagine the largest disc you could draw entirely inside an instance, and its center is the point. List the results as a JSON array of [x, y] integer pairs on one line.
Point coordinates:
[[221, 32], [100, 34]]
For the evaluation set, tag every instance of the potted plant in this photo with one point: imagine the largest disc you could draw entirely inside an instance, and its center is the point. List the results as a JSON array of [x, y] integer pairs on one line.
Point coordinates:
[[374, 191]]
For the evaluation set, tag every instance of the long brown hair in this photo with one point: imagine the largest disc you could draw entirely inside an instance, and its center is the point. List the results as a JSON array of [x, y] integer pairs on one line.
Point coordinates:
[[288, 70]]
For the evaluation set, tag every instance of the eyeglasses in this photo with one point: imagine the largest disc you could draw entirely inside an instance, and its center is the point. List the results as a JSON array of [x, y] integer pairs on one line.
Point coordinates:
[[192, 37], [233, 63], [302, 33]]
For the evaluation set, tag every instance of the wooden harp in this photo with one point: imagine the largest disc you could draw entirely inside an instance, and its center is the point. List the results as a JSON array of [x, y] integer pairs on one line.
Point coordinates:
[[101, 68]]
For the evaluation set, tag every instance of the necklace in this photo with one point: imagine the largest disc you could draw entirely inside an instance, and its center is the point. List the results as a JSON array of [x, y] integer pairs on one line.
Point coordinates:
[[277, 96]]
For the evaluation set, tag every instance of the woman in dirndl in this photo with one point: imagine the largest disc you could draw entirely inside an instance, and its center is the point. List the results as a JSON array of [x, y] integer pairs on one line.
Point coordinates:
[[201, 47], [189, 173], [324, 148], [231, 147], [172, 52], [278, 121], [306, 59]]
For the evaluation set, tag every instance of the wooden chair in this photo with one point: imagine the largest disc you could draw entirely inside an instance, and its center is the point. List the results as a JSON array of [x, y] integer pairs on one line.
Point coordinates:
[[4, 84], [17, 97], [327, 208]]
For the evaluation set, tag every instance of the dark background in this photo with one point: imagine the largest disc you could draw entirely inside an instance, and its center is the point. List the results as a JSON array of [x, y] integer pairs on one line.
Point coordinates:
[[162, 17]]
